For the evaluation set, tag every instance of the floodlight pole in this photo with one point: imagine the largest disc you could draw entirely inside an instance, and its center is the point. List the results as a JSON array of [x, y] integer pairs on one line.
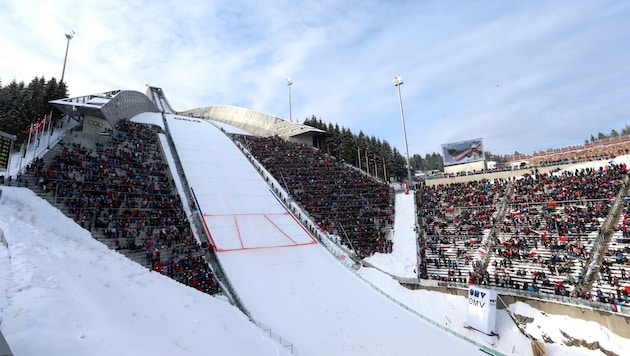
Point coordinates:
[[69, 36], [289, 83], [398, 82]]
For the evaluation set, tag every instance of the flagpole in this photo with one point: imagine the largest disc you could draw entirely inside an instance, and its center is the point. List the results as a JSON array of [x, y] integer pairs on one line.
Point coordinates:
[[384, 170], [20, 162], [375, 167], [23, 155], [36, 139], [49, 125], [37, 135], [30, 132]]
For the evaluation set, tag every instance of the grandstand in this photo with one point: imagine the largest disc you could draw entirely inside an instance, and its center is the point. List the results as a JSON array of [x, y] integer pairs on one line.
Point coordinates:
[[548, 234]]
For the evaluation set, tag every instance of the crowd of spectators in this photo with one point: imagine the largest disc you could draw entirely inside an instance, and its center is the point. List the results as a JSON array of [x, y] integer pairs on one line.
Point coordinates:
[[614, 271], [542, 241], [456, 219], [340, 199], [588, 152], [122, 192], [552, 223], [532, 233]]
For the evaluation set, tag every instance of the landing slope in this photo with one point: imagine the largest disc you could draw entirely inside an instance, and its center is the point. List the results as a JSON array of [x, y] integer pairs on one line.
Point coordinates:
[[284, 278]]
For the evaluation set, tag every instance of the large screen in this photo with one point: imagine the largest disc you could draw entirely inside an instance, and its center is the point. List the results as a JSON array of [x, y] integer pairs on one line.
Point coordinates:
[[463, 152]]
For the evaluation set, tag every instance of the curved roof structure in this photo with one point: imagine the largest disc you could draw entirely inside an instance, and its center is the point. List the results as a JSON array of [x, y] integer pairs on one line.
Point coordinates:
[[117, 104], [255, 122], [111, 106]]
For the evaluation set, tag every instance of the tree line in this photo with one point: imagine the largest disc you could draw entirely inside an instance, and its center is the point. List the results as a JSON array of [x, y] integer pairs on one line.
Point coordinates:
[[21, 104], [612, 135], [374, 156]]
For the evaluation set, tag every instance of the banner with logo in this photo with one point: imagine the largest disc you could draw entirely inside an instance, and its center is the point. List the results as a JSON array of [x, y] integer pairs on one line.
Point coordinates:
[[482, 309]]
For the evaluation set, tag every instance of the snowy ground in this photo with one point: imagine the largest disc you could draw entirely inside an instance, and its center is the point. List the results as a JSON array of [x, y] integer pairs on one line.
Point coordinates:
[[67, 294]]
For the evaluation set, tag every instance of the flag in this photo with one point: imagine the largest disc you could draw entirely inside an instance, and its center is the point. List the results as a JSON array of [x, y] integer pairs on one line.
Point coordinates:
[[30, 129], [41, 124]]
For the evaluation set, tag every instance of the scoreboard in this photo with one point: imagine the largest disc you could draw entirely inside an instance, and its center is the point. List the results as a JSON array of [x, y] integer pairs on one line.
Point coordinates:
[[6, 144]]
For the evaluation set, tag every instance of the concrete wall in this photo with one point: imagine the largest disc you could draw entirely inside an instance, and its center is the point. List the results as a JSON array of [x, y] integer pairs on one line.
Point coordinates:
[[465, 167], [493, 175]]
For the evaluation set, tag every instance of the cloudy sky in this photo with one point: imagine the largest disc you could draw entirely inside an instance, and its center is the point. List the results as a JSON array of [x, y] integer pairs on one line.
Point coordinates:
[[522, 75]]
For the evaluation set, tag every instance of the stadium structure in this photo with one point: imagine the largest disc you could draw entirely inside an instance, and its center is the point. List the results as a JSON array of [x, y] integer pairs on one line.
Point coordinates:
[[101, 112], [563, 253]]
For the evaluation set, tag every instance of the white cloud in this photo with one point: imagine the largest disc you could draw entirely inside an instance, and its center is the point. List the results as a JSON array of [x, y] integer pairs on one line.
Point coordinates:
[[503, 71]]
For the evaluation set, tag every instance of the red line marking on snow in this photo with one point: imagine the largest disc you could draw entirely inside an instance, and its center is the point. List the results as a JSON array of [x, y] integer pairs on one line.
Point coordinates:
[[266, 216], [238, 231], [279, 229], [303, 228], [246, 214], [210, 238]]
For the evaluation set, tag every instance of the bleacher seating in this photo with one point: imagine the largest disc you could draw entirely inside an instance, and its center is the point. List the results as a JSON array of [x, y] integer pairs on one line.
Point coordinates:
[[542, 243], [534, 233], [342, 200], [120, 189], [456, 220], [614, 272]]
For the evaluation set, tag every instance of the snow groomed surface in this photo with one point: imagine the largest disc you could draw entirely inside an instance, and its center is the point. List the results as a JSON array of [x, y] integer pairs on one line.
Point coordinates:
[[282, 275]]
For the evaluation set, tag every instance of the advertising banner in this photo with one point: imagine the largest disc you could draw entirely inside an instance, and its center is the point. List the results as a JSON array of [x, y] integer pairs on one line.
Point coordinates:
[[482, 309], [463, 152]]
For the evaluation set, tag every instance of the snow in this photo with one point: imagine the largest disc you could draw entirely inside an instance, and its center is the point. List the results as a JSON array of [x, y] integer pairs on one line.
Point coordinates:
[[68, 294], [276, 266]]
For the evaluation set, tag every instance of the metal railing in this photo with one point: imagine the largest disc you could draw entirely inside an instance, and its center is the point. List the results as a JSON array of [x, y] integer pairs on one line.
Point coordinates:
[[534, 295]]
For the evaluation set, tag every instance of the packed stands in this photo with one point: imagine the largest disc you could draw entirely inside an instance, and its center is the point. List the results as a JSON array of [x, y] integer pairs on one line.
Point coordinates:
[[119, 188], [550, 229], [539, 233], [542, 233], [613, 279], [456, 220], [341, 199], [599, 150]]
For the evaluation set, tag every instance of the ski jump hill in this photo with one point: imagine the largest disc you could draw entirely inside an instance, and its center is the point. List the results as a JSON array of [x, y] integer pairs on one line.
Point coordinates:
[[282, 275], [275, 271]]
